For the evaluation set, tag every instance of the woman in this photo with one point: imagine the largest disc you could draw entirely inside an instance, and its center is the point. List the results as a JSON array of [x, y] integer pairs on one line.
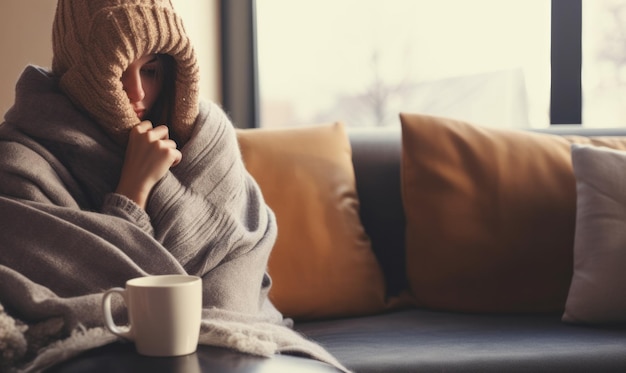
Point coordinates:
[[150, 152], [112, 169]]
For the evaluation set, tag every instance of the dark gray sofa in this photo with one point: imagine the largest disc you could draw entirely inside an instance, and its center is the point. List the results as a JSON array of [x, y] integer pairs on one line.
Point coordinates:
[[405, 340]]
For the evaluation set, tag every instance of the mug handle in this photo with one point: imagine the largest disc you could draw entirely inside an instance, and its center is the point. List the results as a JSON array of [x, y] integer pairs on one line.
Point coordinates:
[[108, 317]]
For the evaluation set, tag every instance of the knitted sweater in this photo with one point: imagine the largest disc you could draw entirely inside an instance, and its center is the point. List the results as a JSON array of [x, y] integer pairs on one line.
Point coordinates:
[[66, 237]]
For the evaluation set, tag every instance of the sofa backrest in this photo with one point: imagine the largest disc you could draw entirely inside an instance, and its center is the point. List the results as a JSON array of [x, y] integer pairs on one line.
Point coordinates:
[[376, 156]]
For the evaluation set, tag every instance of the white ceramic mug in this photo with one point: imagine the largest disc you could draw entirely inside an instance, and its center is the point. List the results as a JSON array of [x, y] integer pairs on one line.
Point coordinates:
[[164, 314]]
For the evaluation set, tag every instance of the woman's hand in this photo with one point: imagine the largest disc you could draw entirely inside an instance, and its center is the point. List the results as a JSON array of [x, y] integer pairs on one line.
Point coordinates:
[[149, 155]]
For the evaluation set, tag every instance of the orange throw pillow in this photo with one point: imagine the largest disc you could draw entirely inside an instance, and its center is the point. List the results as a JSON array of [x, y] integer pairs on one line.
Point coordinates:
[[322, 265], [490, 215]]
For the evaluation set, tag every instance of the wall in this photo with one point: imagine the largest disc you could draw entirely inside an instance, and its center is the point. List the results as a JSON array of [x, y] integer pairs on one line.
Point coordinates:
[[25, 38]]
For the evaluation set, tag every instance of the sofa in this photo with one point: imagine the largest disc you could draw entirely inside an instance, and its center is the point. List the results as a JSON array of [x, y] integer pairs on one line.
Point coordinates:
[[435, 246]]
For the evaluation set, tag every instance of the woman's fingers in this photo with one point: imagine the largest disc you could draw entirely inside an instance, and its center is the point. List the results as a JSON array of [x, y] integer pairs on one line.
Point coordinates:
[[178, 156], [159, 133], [142, 127], [149, 154], [152, 148]]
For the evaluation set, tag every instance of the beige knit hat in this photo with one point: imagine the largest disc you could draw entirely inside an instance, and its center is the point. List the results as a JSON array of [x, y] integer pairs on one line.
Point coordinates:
[[94, 41]]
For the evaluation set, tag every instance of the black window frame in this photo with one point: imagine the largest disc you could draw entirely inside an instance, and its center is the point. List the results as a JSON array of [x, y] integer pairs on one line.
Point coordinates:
[[240, 89]]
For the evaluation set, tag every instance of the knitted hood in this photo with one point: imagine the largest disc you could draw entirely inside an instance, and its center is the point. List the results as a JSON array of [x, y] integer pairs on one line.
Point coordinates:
[[94, 41]]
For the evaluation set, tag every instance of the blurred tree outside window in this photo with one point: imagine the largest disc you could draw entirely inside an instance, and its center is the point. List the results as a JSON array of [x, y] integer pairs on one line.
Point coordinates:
[[485, 61], [364, 61], [604, 63]]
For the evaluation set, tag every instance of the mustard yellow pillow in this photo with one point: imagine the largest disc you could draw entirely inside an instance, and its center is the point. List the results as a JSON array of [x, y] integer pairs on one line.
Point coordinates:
[[490, 215], [322, 264]]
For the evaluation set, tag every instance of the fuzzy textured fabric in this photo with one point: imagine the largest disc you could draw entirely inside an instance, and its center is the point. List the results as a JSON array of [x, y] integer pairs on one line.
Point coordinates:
[[66, 237], [93, 43], [79, 341], [13, 344], [42, 344]]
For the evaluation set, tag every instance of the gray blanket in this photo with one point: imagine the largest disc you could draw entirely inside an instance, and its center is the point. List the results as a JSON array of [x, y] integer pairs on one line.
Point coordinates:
[[65, 237]]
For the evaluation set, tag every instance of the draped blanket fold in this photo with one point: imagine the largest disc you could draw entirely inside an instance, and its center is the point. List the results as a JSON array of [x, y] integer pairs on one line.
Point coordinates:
[[65, 237]]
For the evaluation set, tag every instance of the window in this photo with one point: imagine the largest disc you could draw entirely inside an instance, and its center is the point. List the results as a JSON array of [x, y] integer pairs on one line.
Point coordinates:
[[364, 61], [512, 63], [604, 62]]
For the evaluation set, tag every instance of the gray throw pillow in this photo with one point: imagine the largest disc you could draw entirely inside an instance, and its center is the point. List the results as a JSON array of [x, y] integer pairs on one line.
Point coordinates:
[[597, 292]]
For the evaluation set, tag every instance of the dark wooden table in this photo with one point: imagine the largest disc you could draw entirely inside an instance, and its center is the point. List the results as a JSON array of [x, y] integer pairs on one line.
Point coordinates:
[[122, 357]]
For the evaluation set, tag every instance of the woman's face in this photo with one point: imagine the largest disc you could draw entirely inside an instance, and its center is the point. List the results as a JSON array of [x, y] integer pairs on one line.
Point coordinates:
[[142, 83]]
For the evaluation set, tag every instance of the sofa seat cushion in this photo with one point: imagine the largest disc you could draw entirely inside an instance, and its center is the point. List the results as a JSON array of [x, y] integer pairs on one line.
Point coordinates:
[[428, 341]]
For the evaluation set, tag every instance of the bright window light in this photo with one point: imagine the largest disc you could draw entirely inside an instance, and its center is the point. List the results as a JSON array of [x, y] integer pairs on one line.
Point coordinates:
[[364, 61]]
